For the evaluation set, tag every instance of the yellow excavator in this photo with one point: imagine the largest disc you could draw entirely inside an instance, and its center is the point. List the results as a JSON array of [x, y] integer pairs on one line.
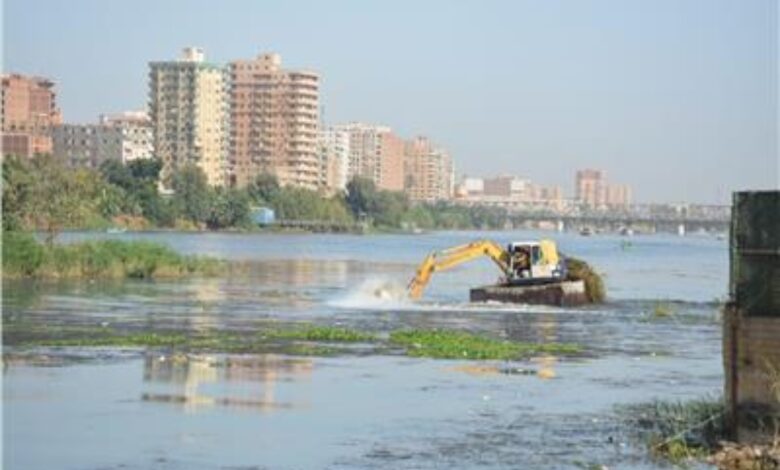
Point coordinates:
[[521, 263]]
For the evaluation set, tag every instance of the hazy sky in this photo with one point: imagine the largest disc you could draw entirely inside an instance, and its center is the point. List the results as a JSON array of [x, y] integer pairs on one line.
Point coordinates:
[[675, 97]]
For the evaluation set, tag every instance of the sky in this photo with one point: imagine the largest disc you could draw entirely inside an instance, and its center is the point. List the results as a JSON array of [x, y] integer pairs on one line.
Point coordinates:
[[678, 98]]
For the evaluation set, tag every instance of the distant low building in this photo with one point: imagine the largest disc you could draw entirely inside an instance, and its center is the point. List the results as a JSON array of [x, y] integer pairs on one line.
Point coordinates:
[[137, 137], [123, 137], [510, 192]]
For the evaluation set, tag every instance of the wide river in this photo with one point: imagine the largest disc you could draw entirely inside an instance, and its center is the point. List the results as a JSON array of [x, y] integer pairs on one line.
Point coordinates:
[[124, 408]]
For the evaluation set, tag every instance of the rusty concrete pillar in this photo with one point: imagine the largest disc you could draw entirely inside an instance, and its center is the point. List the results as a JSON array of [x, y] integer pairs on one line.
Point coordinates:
[[751, 326]]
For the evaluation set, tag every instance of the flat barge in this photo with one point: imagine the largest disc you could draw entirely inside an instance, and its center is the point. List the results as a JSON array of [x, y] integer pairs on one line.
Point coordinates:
[[563, 293]]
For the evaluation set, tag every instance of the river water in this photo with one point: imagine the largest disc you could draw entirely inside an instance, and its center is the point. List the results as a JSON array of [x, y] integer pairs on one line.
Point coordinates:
[[112, 408]]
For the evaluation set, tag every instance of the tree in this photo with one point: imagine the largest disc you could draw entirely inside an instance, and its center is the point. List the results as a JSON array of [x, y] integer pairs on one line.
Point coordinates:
[[59, 197], [229, 208], [264, 188], [192, 193], [361, 196], [146, 170], [17, 183]]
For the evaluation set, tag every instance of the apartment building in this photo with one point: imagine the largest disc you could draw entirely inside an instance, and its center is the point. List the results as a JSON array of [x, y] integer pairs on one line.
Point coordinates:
[[590, 187], [86, 145], [334, 158], [594, 191], [29, 110], [123, 137], [428, 171], [188, 115], [136, 130], [375, 153], [274, 121]]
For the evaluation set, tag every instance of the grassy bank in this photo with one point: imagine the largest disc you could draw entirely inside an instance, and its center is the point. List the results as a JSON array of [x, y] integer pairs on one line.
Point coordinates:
[[679, 432], [23, 256]]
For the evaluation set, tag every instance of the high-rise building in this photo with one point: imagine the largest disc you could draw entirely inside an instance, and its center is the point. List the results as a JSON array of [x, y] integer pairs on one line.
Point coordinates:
[[122, 137], [375, 153], [428, 171], [334, 158], [274, 120], [188, 115], [590, 187], [618, 195], [29, 110], [593, 191]]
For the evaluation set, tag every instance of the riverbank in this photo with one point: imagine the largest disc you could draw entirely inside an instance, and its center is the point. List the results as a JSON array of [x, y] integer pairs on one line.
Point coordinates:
[[25, 257]]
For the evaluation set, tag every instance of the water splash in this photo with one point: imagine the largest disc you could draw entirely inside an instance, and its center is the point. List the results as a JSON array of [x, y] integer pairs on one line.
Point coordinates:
[[379, 293]]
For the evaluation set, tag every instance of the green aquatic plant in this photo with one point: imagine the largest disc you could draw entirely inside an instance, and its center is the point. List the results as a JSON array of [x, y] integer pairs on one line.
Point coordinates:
[[577, 270], [116, 340], [321, 333], [445, 344]]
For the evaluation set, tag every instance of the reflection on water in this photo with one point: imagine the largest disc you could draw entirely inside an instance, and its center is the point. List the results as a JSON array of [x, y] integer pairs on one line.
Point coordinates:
[[199, 381]]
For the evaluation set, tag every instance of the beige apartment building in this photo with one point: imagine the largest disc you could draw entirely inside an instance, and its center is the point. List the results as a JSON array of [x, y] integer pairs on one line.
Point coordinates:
[[334, 158], [188, 115], [375, 153], [29, 110], [428, 171], [274, 121]]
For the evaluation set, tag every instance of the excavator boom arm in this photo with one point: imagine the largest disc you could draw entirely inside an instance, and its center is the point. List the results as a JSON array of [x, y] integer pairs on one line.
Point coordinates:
[[449, 258]]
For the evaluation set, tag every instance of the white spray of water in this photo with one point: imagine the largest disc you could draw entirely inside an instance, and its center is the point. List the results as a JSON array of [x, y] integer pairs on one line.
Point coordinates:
[[378, 293], [375, 293]]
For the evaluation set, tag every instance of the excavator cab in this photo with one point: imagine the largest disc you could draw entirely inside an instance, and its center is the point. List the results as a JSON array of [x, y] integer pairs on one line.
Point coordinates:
[[534, 262]]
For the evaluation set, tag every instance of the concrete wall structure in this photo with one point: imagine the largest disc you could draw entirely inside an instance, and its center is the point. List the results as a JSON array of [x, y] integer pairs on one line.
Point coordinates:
[[188, 115], [29, 111], [274, 122], [751, 327]]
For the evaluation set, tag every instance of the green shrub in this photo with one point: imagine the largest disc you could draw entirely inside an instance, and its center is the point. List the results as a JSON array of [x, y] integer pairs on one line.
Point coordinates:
[[22, 254], [24, 257]]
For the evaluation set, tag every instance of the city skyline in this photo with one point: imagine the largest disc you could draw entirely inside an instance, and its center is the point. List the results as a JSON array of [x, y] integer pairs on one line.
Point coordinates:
[[713, 115]]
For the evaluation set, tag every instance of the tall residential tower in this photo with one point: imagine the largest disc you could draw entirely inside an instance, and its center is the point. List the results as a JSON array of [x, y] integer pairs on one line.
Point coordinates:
[[188, 116], [274, 122]]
